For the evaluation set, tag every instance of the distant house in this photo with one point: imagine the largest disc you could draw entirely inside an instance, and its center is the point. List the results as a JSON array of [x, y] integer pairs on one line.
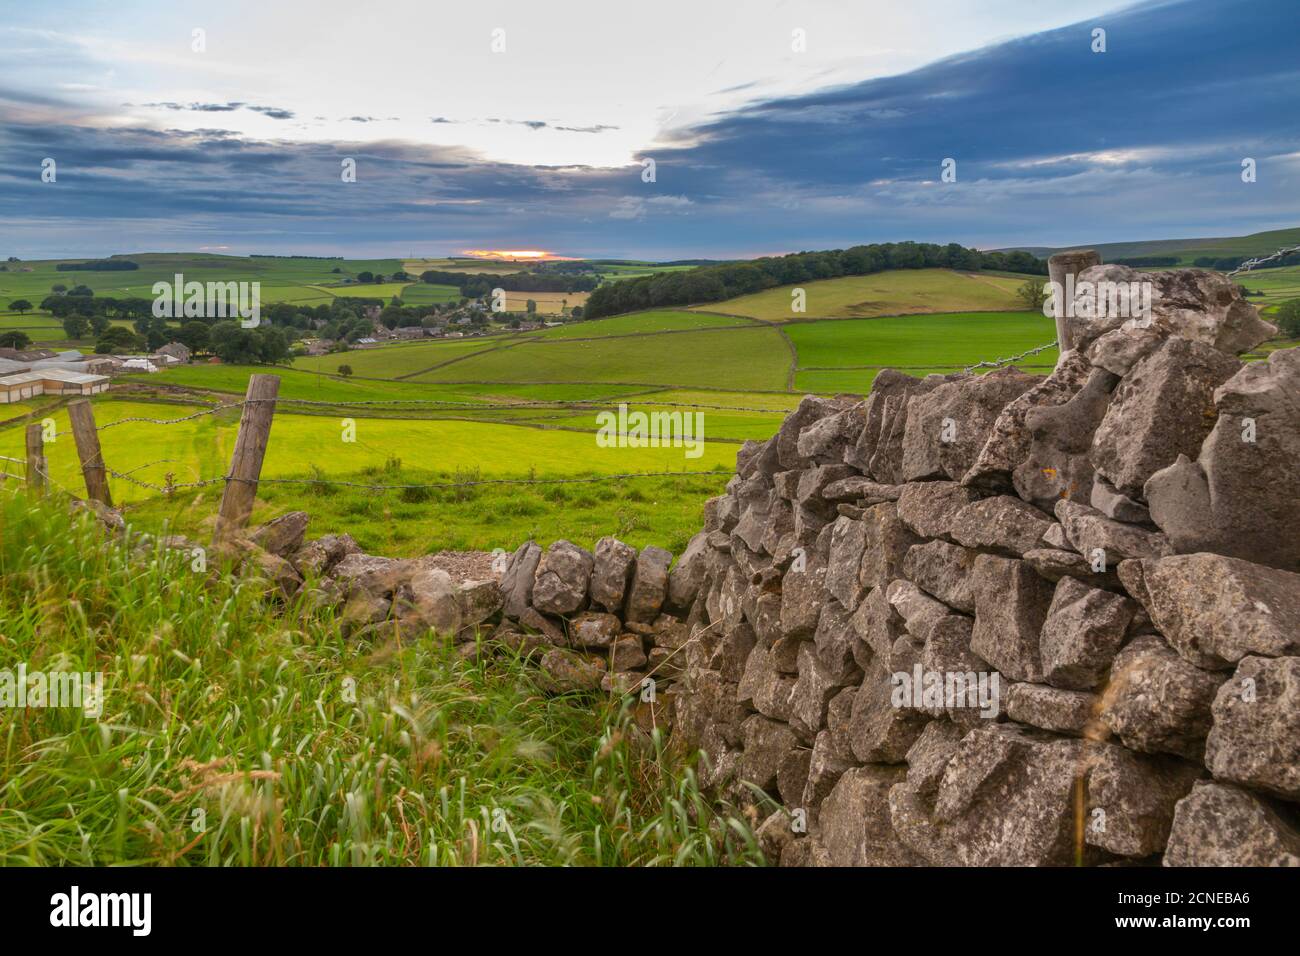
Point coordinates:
[[177, 351], [410, 332], [51, 381]]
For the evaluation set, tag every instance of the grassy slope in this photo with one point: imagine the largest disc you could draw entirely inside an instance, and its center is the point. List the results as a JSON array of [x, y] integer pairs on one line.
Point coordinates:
[[898, 292], [228, 738], [1255, 244]]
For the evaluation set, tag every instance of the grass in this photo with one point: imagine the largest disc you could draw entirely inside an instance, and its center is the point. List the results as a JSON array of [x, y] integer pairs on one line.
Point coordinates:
[[238, 732], [744, 359], [548, 303], [898, 292], [393, 361]]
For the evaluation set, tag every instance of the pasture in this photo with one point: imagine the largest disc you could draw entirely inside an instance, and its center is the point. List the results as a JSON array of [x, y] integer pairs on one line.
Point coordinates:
[[900, 292]]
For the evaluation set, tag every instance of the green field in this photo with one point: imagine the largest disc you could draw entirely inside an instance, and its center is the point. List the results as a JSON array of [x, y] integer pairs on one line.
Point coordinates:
[[901, 292]]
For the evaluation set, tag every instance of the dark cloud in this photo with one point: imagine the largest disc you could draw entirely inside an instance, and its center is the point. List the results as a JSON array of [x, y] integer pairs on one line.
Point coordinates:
[[1054, 144]]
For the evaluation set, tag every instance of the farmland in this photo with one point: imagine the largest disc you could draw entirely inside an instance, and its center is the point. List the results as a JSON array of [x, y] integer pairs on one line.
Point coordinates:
[[442, 412], [883, 293]]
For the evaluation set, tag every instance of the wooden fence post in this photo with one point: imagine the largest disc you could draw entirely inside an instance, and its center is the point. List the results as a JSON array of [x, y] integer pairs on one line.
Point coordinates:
[[92, 459], [250, 448], [37, 467], [1060, 266]]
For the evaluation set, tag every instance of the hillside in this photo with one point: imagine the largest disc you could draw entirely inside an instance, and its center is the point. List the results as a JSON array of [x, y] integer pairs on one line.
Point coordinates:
[[1255, 244]]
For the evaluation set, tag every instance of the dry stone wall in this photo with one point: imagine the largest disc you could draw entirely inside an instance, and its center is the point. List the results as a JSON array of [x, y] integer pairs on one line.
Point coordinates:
[[965, 620]]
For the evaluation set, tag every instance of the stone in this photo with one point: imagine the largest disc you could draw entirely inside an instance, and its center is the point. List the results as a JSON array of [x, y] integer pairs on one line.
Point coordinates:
[[887, 382], [687, 575], [318, 557], [663, 663], [1115, 505], [1092, 534], [1055, 564], [593, 630], [854, 820], [792, 776], [848, 540], [1004, 524], [560, 584], [365, 572], [1221, 825], [611, 573], [879, 731], [766, 745], [827, 761], [533, 620], [929, 507], [877, 626], [813, 691], [812, 482], [919, 611], [564, 671], [649, 584], [826, 440], [1215, 610], [775, 836], [945, 571], [1009, 440], [886, 543], [627, 653], [517, 581], [970, 693], [283, 535], [1061, 711], [860, 488], [896, 390], [1119, 350], [1060, 437], [1156, 702], [947, 428], [1007, 797], [810, 411], [1131, 799], [1238, 496], [1162, 408], [1193, 304], [802, 595], [1255, 740], [834, 640], [1011, 604], [1084, 629]]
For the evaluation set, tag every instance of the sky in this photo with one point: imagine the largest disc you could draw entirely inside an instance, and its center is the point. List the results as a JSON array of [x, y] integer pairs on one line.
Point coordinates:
[[773, 125]]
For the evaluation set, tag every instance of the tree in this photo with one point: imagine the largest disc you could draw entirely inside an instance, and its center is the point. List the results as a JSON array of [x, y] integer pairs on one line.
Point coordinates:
[[1288, 318], [1033, 294], [194, 336], [118, 338], [365, 276], [14, 339], [76, 326], [20, 305], [345, 370], [58, 288], [531, 307]]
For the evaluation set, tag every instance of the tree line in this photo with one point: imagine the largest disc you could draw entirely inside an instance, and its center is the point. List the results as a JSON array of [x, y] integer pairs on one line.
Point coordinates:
[[475, 286], [718, 282]]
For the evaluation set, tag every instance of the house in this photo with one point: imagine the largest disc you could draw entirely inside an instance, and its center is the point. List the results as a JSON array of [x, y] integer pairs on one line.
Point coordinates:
[[410, 332], [51, 381], [181, 353], [27, 355]]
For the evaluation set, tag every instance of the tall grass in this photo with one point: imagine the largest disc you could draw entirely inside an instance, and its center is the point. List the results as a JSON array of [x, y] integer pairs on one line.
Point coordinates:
[[239, 731]]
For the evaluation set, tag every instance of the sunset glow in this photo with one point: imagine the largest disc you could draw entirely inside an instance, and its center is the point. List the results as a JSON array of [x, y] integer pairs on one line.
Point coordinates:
[[536, 254]]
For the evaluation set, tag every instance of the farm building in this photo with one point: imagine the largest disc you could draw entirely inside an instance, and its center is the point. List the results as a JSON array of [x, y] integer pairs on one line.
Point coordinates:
[[51, 381], [181, 353]]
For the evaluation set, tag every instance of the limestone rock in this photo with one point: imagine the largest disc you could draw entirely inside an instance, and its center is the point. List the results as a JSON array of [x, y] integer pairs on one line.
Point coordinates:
[[1255, 740], [1084, 629], [593, 630], [1011, 604], [1164, 407], [1220, 825], [1238, 496], [1156, 702], [1131, 799], [886, 542], [854, 820], [1055, 564], [1215, 610], [766, 744], [649, 585], [848, 540], [919, 611], [1004, 524], [929, 507], [564, 671], [517, 581], [1050, 708], [879, 731], [560, 585], [282, 536], [1090, 532], [944, 570], [1060, 437], [686, 577], [611, 573]]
